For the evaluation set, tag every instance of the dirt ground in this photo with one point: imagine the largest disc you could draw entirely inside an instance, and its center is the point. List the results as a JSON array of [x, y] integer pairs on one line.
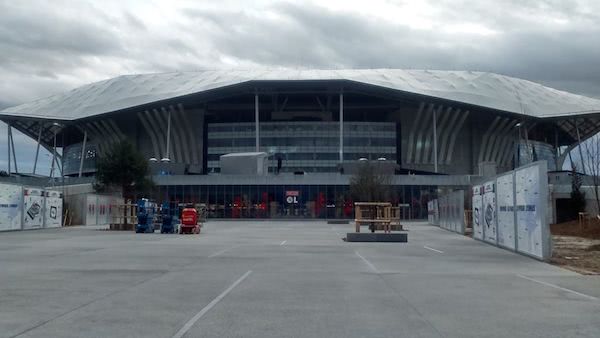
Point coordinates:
[[577, 247]]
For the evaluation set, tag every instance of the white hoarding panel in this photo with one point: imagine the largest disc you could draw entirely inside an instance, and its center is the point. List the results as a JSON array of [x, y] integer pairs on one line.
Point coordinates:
[[103, 207], [10, 207], [530, 206], [91, 209], [53, 210], [449, 211], [459, 201], [489, 212], [506, 211], [477, 212], [445, 216], [113, 210], [33, 208], [430, 211], [436, 212]]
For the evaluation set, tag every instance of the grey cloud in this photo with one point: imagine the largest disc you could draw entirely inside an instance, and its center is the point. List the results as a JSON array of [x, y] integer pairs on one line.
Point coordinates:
[[45, 30], [133, 21], [307, 36], [568, 57], [47, 74]]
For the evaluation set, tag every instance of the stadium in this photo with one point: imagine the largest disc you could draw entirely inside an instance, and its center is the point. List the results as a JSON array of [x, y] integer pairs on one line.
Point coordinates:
[[434, 130]]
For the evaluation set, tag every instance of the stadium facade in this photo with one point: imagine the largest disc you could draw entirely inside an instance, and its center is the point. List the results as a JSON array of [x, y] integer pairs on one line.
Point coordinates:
[[442, 129]]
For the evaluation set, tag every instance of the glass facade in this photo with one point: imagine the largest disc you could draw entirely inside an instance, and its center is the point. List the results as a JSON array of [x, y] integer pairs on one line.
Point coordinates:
[[532, 151], [290, 201], [72, 159], [303, 146]]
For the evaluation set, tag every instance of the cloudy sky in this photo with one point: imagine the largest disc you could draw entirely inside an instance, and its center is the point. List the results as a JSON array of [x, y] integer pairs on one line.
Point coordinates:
[[47, 47]]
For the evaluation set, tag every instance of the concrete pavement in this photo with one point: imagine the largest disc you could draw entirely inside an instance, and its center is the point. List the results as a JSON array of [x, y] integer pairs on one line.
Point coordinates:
[[283, 279]]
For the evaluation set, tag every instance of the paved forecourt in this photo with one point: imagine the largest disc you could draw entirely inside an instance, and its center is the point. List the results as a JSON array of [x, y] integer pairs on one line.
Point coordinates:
[[283, 279]]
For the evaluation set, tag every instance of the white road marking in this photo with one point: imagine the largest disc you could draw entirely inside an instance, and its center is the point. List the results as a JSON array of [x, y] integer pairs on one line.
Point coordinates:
[[282, 243], [210, 305], [222, 251], [369, 264], [559, 287], [432, 249]]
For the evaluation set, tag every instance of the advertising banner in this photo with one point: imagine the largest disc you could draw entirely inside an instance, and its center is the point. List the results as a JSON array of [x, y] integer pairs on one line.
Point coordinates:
[[506, 211], [489, 212], [11, 207], [530, 206], [53, 210], [477, 212], [33, 208]]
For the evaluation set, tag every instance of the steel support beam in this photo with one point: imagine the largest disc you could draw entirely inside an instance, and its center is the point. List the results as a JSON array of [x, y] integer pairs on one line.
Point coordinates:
[[341, 127], [168, 136], [82, 153], [579, 147], [12, 145], [435, 152], [37, 150], [556, 150], [256, 124], [8, 148], [53, 155]]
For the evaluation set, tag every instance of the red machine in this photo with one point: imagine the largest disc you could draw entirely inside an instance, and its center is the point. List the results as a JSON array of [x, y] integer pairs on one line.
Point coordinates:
[[189, 221]]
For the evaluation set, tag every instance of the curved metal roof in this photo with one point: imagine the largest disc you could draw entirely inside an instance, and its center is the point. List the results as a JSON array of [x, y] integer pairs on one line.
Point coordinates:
[[477, 88]]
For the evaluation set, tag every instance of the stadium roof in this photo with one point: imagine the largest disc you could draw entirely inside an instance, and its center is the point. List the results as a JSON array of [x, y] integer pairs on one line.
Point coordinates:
[[486, 90]]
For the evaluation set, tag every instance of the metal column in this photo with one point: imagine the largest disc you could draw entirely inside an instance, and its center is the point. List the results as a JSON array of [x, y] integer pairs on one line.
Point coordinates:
[[256, 124], [12, 145], [37, 150], [556, 150], [579, 146], [435, 153], [8, 146], [53, 156], [168, 150], [341, 127], [82, 153]]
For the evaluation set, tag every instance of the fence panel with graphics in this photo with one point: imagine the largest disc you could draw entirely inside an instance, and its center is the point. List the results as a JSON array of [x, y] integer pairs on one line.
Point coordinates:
[[53, 209], [11, 207], [510, 211], [26, 208], [33, 208]]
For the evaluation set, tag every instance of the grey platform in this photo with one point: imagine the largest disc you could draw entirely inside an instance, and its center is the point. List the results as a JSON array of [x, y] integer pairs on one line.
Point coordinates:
[[338, 221], [401, 237]]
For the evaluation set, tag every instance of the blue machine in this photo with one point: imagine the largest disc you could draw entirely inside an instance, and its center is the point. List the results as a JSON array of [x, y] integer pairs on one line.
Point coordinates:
[[145, 216], [168, 219]]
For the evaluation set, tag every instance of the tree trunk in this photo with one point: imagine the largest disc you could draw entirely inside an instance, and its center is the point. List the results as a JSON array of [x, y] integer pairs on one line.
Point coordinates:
[[596, 192]]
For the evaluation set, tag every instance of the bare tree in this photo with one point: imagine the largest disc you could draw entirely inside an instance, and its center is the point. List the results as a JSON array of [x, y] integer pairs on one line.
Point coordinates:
[[370, 183], [592, 164]]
